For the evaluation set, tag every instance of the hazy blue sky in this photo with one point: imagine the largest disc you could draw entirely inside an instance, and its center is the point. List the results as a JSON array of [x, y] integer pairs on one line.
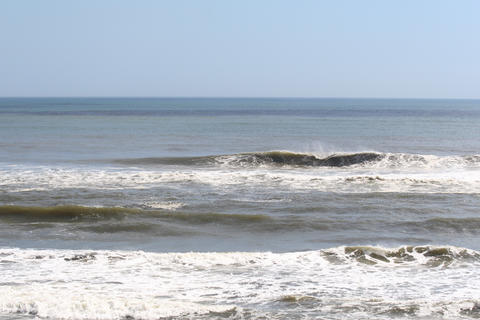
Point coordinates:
[[336, 48]]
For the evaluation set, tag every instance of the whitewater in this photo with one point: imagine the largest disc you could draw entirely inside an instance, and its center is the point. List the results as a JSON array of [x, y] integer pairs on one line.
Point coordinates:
[[239, 208]]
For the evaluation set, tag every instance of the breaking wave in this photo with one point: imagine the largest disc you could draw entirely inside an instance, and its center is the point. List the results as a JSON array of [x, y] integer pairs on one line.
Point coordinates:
[[282, 158], [279, 158], [287, 158], [432, 256]]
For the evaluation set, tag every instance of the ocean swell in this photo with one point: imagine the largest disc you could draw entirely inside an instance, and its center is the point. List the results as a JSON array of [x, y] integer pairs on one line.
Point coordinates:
[[365, 159], [161, 223]]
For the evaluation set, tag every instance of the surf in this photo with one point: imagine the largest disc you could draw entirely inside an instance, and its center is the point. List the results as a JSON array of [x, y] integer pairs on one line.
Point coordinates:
[[361, 280], [365, 159]]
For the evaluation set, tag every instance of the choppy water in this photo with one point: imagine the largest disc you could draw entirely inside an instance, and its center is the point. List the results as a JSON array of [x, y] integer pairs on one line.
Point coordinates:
[[239, 209]]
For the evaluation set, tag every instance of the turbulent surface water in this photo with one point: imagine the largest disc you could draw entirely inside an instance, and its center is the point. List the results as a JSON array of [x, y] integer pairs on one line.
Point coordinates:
[[239, 209], [343, 282]]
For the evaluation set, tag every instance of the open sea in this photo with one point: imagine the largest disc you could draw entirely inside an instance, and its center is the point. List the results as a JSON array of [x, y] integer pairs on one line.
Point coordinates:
[[169, 208]]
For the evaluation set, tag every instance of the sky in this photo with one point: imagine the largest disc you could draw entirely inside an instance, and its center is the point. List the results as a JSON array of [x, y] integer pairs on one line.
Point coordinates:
[[243, 48]]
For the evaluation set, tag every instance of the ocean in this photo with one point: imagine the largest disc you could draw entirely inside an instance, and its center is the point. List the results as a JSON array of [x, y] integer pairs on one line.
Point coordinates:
[[239, 208]]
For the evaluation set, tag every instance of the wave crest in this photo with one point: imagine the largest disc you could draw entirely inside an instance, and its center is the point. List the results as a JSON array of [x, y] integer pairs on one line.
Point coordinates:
[[282, 158], [277, 158], [294, 159]]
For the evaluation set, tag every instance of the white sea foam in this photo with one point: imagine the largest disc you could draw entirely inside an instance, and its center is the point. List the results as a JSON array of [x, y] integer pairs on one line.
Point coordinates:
[[350, 180], [117, 284], [166, 205]]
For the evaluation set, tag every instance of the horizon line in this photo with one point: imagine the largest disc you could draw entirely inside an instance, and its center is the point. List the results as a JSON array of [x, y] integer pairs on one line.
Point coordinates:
[[228, 97]]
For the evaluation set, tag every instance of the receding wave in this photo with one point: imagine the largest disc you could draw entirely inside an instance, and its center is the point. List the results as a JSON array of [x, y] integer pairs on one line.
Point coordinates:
[[286, 158]]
